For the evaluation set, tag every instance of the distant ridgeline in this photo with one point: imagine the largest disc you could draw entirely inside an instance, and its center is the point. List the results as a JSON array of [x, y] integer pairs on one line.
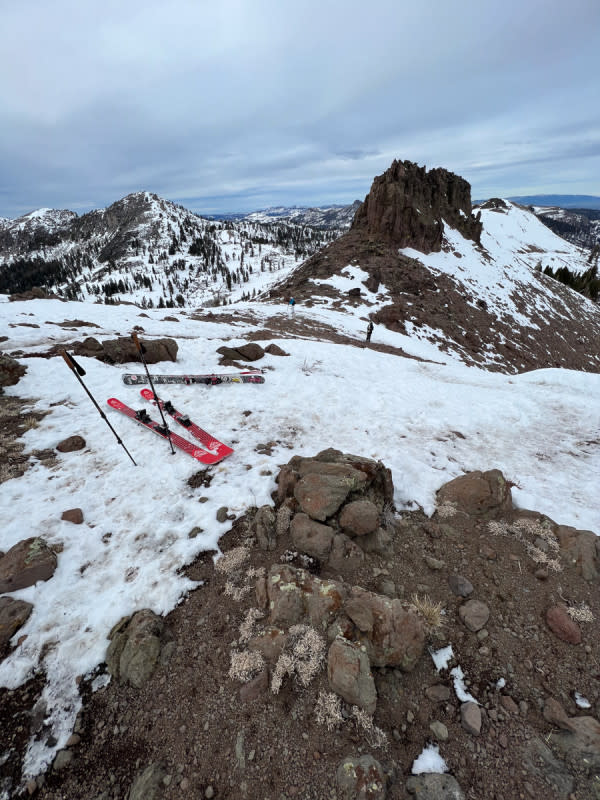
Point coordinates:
[[586, 283]]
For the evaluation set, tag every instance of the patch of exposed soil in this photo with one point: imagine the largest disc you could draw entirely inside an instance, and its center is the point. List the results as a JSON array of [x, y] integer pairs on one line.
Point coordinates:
[[190, 715], [15, 419]]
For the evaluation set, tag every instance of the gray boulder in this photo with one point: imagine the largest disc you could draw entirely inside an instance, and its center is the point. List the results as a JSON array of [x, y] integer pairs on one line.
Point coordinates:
[[135, 647], [433, 786], [349, 674], [361, 778], [13, 614]]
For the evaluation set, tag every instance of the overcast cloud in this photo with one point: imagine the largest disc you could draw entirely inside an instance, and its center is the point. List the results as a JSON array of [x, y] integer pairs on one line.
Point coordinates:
[[236, 105]]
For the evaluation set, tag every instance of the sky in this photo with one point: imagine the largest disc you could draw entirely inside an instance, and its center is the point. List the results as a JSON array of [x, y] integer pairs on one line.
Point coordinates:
[[244, 104]]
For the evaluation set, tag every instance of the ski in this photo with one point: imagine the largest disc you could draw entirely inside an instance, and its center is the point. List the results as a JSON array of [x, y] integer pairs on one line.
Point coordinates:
[[206, 380], [197, 432], [141, 417]]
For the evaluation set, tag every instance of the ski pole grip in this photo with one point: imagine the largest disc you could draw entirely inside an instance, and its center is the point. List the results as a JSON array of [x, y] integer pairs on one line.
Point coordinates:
[[72, 363]]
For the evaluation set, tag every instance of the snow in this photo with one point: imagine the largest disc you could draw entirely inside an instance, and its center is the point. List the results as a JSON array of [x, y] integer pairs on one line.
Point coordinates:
[[459, 686], [429, 761], [441, 658], [427, 422], [581, 701]]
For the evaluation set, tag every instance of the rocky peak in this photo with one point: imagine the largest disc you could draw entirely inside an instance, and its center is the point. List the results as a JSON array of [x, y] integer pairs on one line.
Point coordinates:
[[408, 206]]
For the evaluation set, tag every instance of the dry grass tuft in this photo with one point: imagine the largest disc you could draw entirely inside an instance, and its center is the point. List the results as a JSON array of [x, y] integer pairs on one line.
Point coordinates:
[[301, 658], [534, 529], [430, 612], [364, 722], [245, 665], [328, 710], [581, 613], [247, 626], [232, 560], [447, 510], [29, 423]]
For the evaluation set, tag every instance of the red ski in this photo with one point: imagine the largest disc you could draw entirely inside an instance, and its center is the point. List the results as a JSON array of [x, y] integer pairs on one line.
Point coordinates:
[[212, 444], [141, 417]]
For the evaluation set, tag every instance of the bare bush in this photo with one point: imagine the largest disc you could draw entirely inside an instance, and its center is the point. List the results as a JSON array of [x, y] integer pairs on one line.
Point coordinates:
[[245, 665], [301, 658], [247, 626], [232, 560], [364, 722], [328, 710]]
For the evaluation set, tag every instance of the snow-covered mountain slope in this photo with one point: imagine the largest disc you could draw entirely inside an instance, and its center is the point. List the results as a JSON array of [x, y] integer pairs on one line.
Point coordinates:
[[428, 420], [488, 302], [149, 251], [329, 217], [578, 226]]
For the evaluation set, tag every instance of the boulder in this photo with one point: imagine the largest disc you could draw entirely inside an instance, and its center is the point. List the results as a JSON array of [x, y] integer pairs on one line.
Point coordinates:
[[392, 636], [26, 563], [479, 494], [245, 352], [13, 614], [123, 350], [10, 370], [579, 548], [349, 674], [275, 350], [345, 554], [135, 647], [361, 778], [294, 595], [474, 615], [74, 515], [320, 494], [359, 518], [311, 537]]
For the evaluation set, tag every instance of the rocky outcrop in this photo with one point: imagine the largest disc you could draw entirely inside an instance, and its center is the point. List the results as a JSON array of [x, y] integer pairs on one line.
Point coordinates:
[[13, 614], [407, 207], [484, 494], [123, 350]]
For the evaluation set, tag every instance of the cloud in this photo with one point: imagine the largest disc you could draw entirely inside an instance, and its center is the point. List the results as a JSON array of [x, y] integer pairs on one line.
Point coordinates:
[[241, 101]]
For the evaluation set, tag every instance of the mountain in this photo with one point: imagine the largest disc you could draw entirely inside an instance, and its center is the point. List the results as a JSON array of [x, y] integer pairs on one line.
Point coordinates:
[[562, 200], [147, 250], [580, 226], [334, 217], [419, 261]]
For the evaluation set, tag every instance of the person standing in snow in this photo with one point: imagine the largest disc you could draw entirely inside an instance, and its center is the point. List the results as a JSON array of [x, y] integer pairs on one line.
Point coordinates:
[[291, 305], [369, 330]]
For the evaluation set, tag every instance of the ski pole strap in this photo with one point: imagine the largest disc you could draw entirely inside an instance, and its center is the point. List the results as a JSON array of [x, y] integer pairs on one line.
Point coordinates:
[[72, 363]]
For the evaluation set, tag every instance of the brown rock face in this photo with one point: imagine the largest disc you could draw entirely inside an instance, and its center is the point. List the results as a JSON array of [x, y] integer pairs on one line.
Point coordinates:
[[28, 562], [407, 206], [123, 350], [13, 614]]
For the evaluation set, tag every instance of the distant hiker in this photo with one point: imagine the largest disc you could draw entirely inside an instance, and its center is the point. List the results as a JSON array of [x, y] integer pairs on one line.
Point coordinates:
[[369, 331], [291, 305]]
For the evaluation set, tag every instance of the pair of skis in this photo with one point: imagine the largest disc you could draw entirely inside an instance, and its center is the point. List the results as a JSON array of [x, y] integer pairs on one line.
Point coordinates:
[[212, 450], [210, 379]]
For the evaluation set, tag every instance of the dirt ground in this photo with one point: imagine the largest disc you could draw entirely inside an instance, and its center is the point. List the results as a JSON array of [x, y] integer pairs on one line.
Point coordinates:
[[191, 718]]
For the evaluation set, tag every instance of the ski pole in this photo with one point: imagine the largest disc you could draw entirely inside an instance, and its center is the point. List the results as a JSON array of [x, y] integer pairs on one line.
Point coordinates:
[[78, 371], [140, 348]]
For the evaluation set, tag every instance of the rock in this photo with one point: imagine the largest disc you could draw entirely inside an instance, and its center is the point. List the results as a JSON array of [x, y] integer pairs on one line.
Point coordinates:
[[562, 626], [361, 779], [135, 647], [74, 515], [149, 784], [63, 759], [470, 718], [245, 352], [359, 518], [378, 542], [434, 563], [264, 526], [13, 614], [275, 350], [508, 704], [26, 563], [438, 693], [345, 554], [71, 444], [221, 515], [311, 537], [541, 762], [392, 636], [479, 494], [407, 207], [321, 495], [439, 730], [269, 643], [10, 371], [349, 674], [293, 594], [474, 614], [579, 548], [555, 714], [434, 786], [583, 740], [460, 586], [123, 350]]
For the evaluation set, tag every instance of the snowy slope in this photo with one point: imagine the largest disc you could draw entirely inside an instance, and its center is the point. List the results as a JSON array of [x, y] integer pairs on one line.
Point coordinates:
[[428, 422]]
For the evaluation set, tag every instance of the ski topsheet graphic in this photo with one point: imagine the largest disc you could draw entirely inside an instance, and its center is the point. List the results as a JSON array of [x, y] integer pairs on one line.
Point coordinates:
[[212, 444], [203, 455], [206, 380]]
